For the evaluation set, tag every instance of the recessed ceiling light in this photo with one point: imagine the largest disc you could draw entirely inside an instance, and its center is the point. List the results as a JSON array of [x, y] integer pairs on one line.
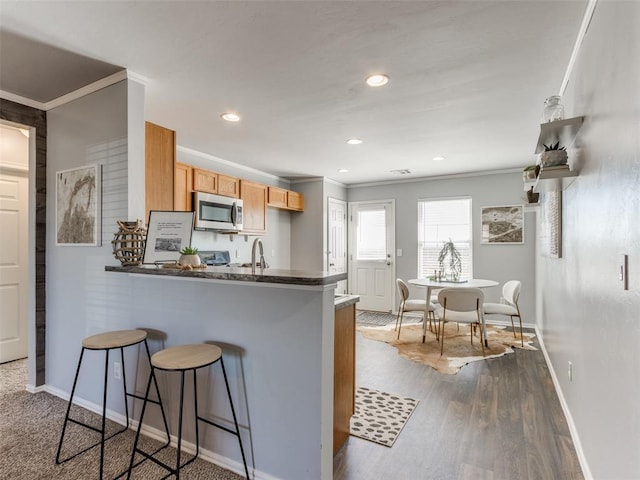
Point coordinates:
[[354, 141], [439, 158], [230, 117], [343, 170], [377, 80]]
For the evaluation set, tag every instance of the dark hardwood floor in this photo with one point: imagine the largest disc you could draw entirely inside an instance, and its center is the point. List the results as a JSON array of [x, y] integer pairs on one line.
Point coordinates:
[[496, 419]]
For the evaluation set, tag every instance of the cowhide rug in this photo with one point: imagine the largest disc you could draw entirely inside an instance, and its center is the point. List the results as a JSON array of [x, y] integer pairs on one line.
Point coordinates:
[[458, 350]]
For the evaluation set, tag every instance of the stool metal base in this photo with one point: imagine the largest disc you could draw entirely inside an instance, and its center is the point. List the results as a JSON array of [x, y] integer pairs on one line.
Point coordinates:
[[178, 466], [102, 430]]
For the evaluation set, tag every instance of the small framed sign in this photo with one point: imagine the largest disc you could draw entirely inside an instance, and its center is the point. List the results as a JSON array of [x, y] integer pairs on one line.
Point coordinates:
[[167, 233]]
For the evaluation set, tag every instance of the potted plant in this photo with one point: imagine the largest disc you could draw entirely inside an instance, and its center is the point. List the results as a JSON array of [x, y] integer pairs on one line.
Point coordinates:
[[529, 173], [189, 256], [450, 254], [553, 155]]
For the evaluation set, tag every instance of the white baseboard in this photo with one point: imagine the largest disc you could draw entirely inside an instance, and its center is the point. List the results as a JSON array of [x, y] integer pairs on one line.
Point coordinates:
[[33, 389], [156, 434], [586, 471]]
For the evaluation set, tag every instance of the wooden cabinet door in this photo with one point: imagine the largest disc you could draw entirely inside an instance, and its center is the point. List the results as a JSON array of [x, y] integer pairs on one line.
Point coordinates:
[[160, 154], [254, 199], [277, 197], [182, 188], [344, 374], [295, 201], [228, 186], [205, 181]]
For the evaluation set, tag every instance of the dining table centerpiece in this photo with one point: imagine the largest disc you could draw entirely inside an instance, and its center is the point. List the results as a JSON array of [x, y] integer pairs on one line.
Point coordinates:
[[450, 261]]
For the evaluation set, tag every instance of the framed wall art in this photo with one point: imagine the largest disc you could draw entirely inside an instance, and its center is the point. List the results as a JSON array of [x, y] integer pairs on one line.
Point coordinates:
[[78, 206], [551, 224], [504, 224], [167, 233]]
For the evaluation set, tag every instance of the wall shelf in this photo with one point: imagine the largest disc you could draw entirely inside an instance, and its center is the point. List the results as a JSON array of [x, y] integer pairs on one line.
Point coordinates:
[[563, 131], [554, 178]]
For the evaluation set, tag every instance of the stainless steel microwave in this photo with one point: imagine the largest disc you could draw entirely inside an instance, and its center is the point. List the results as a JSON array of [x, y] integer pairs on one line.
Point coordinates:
[[215, 212]]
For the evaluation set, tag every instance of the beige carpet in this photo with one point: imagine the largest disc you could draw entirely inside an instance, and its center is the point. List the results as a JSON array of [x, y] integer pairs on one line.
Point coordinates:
[[458, 350], [30, 426]]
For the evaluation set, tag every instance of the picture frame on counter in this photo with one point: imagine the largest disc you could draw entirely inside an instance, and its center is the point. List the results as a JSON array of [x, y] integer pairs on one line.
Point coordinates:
[[168, 233]]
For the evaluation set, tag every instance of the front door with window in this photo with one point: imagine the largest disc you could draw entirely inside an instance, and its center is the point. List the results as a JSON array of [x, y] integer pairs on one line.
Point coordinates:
[[371, 270]]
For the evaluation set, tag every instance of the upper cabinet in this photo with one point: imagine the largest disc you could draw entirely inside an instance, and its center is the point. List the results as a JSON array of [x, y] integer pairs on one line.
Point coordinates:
[[205, 181], [286, 199], [254, 200], [228, 186], [160, 154], [182, 188]]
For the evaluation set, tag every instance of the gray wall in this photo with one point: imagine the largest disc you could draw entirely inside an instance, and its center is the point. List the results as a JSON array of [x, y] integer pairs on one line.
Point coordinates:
[[586, 316], [495, 262]]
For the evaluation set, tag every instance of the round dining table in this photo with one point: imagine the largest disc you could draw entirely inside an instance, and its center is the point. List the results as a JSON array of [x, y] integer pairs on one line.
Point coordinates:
[[437, 285]]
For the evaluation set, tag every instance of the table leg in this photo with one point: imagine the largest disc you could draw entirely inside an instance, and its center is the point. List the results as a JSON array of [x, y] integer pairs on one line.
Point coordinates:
[[426, 314]]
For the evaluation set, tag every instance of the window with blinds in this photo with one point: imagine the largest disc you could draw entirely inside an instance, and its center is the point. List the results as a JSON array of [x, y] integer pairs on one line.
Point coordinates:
[[439, 221]]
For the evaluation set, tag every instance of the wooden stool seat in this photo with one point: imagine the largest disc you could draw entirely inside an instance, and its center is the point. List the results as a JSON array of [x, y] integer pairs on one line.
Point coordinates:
[[186, 357], [115, 339]]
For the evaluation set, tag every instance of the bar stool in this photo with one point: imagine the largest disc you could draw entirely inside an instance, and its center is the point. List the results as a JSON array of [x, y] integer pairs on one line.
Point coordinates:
[[109, 341], [181, 359]]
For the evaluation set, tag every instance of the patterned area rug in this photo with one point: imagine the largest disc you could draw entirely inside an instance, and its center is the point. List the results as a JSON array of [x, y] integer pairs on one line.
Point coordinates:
[[380, 416], [365, 317], [458, 350]]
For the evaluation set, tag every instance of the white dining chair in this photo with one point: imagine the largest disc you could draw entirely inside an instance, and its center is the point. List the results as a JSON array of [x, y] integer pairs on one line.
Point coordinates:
[[407, 305], [461, 305], [510, 294]]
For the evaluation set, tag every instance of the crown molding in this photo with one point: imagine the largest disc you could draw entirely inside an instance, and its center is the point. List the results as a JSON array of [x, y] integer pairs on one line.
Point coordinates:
[[22, 100], [586, 21], [439, 177]]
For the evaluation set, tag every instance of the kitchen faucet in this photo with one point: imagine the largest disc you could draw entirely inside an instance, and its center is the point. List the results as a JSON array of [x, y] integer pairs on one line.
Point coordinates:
[[263, 264]]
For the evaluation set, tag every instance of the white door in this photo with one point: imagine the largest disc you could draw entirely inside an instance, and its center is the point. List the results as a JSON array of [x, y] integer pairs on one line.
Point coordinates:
[[371, 247], [337, 241], [13, 265]]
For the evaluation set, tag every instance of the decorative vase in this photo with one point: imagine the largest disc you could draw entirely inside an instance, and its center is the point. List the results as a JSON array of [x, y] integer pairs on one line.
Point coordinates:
[[128, 242], [553, 109], [192, 260], [553, 158]]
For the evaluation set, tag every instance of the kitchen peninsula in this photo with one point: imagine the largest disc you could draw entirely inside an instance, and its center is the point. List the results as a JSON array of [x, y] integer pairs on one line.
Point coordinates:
[[277, 330]]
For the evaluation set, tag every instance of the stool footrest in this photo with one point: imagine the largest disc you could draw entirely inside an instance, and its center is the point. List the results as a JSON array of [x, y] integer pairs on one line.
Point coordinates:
[[150, 456], [222, 427], [90, 427]]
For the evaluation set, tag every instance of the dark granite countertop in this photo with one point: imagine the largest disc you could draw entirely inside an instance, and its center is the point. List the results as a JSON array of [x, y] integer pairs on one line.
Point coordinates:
[[239, 274]]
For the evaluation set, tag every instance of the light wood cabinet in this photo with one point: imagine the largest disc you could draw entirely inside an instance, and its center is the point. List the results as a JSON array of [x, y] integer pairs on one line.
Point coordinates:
[[285, 199], [344, 373], [183, 188], [205, 181], [160, 154], [277, 197], [295, 201], [228, 186], [254, 199]]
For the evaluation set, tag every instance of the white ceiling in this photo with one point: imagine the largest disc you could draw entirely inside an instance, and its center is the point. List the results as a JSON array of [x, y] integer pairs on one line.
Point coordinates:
[[468, 78]]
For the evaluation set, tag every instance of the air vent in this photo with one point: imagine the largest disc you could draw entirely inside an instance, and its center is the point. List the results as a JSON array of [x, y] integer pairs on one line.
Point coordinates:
[[403, 171]]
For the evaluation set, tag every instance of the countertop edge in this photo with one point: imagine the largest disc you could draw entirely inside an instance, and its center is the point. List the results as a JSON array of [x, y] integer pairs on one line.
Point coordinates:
[[288, 277], [344, 301]]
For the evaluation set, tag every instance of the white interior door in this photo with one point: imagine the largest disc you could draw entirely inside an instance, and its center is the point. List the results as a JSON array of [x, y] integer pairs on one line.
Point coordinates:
[[371, 259], [337, 241], [13, 265]]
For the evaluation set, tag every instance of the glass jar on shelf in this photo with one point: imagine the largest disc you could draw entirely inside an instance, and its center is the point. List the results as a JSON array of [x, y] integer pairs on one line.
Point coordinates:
[[553, 109]]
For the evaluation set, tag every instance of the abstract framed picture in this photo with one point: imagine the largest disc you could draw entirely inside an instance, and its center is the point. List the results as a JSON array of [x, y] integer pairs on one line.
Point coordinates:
[[503, 224], [78, 206]]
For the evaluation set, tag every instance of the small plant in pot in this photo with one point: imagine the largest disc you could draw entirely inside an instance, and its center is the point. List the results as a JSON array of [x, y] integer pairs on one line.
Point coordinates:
[[553, 155], [189, 256], [529, 173]]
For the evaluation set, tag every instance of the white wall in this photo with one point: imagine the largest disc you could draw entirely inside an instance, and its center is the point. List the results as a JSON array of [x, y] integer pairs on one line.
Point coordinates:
[[586, 317], [495, 262]]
